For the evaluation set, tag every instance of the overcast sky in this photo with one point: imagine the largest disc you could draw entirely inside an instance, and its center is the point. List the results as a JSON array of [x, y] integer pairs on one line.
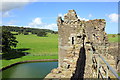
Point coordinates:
[[44, 14]]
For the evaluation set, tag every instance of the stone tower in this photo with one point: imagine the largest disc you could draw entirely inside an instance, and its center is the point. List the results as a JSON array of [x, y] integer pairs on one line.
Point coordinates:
[[77, 38], [72, 30]]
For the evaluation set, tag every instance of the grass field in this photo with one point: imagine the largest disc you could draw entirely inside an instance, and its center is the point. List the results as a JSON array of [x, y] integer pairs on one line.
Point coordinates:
[[116, 38], [119, 74], [39, 45]]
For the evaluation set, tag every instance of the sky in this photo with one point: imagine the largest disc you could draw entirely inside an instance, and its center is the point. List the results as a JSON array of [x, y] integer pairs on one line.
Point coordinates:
[[43, 15]]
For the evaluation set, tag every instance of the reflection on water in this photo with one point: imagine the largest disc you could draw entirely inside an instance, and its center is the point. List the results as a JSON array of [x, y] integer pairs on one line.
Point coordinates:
[[30, 70]]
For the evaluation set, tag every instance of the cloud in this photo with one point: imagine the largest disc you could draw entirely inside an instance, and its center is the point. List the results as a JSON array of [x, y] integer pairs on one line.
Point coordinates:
[[83, 18], [6, 14], [90, 15], [113, 17], [37, 23], [52, 26], [13, 25], [8, 5]]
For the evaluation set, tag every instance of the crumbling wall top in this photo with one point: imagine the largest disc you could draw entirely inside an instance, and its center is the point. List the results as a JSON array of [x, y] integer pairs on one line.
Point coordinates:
[[71, 15]]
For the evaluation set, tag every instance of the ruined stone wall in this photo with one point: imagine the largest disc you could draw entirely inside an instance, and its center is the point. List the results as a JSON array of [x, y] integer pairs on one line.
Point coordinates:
[[77, 38], [71, 31], [67, 30]]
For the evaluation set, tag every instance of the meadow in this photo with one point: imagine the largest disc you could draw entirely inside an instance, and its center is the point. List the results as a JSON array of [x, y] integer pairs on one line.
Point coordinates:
[[38, 45], [113, 38]]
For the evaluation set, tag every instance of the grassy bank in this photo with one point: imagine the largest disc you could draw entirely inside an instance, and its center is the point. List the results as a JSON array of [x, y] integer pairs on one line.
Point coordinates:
[[25, 58]]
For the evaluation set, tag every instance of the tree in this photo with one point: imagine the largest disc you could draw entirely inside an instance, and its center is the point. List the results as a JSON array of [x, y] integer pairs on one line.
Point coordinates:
[[56, 32], [41, 33], [8, 41], [19, 32], [34, 32], [25, 33]]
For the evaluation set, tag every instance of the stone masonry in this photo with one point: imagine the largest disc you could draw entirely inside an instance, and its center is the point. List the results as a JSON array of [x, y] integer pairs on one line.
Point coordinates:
[[77, 38]]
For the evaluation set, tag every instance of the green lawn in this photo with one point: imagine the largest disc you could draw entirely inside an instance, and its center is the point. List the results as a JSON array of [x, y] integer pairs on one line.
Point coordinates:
[[119, 74], [39, 45], [113, 39]]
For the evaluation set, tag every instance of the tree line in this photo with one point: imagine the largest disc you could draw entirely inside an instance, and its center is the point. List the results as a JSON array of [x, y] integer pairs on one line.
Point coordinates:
[[26, 31]]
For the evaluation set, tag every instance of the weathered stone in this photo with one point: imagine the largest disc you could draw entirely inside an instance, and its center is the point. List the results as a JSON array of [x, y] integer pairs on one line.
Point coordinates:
[[77, 39], [55, 71], [118, 67], [69, 55], [67, 74]]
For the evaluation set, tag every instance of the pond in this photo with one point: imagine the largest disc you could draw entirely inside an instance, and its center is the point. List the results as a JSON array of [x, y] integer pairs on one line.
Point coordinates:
[[29, 70]]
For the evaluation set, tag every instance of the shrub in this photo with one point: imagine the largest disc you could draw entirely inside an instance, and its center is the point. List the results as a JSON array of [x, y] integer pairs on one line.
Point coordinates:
[[41, 34], [113, 36], [25, 33]]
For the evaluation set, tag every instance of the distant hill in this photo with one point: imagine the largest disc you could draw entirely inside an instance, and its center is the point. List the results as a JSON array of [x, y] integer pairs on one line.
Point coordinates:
[[24, 29]]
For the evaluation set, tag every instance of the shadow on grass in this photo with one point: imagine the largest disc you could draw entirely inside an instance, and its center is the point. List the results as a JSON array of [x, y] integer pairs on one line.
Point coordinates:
[[15, 53]]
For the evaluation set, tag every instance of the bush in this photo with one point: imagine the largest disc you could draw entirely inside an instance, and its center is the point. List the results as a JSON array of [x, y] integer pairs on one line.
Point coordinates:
[[15, 34], [41, 34], [25, 33], [19, 32], [113, 36]]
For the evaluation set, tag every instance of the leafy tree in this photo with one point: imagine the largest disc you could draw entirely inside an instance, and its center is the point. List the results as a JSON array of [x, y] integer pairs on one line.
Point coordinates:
[[41, 33], [25, 33], [19, 32], [8, 41], [56, 32]]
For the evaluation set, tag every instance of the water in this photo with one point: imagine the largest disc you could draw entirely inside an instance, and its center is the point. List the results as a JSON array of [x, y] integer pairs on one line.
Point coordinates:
[[29, 70]]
